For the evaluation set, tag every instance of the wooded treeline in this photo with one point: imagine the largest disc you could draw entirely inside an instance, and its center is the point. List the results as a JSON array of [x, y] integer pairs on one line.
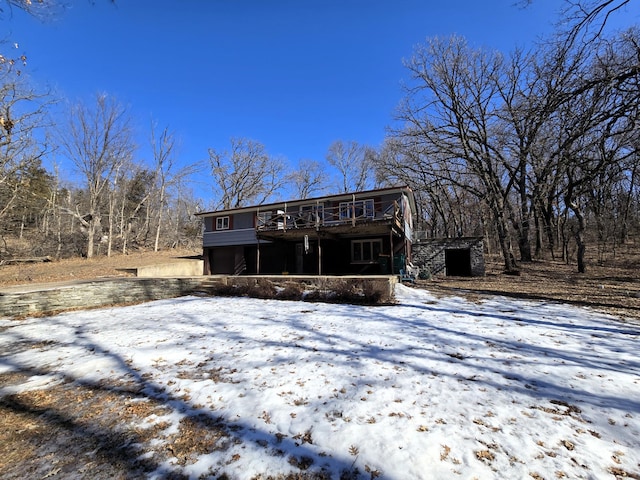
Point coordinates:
[[118, 203], [537, 151]]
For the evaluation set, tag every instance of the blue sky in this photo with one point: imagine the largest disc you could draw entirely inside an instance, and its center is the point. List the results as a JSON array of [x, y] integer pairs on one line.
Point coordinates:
[[293, 75]]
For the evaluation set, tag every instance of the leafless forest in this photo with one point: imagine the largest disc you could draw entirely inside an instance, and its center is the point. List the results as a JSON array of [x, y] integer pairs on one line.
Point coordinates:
[[536, 151]]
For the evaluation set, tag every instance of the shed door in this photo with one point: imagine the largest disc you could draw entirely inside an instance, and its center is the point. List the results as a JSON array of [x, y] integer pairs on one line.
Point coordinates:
[[458, 262]]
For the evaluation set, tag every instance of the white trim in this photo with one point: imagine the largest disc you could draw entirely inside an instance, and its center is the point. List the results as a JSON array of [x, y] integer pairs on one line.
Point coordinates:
[[221, 220]]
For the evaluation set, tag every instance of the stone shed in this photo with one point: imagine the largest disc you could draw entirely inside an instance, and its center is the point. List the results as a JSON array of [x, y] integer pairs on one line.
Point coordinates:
[[462, 257]]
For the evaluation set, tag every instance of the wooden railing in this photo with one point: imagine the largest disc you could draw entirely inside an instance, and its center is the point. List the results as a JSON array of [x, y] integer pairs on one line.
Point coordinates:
[[320, 216]]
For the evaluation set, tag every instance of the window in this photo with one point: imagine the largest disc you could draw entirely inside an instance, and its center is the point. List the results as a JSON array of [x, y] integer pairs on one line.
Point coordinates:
[[365, 251], [222, 223], [312, 214], [357, 209], [264, 219]]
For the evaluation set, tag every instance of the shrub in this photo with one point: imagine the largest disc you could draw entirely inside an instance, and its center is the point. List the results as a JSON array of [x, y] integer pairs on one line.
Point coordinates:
[[231, 290], [355, 291], [262, 289], [291, 291]]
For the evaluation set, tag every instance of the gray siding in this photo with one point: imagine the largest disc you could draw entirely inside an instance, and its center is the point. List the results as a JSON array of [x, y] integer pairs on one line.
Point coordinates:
[[225, 238], [243, 220]]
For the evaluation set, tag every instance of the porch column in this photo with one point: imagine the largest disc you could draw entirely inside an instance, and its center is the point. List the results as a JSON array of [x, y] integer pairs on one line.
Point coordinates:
[[258, 259], [353, 211], [392, 252], [257, 242], [319, 257]]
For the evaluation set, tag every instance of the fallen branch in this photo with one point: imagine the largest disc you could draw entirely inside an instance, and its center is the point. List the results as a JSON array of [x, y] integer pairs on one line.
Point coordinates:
[[12, 261]]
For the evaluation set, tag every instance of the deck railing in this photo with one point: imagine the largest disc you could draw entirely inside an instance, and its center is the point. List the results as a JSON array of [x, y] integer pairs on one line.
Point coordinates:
[[317, 216]]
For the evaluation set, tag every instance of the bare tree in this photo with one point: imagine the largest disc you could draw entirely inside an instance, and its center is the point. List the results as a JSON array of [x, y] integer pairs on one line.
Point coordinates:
[[451, 122], [309, 179], [163, 150], [137, 192], [354, 163], [98, 141], [585, 18], [40, 9], [596, 124], [22, 115], [245, 174], [167, 176], [36, 8], [444, 210]]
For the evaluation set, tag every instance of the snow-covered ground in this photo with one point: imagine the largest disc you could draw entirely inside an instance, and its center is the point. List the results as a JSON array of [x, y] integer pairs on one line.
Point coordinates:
[[430, 388]]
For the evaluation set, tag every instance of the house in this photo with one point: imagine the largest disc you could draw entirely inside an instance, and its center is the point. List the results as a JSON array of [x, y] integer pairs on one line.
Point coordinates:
[[364, 233]]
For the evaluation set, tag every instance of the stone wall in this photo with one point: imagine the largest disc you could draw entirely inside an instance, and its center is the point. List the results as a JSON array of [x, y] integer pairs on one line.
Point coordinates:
[[26, 300], [56, 297], [182, 268], [430, 254]]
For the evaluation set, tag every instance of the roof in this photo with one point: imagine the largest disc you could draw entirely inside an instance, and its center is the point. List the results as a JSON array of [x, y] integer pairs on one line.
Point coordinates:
[[306, 201]]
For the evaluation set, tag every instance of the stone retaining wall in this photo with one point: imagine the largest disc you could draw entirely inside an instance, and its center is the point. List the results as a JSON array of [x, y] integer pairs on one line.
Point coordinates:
[[56, 297], [177, 268], [25, 300]]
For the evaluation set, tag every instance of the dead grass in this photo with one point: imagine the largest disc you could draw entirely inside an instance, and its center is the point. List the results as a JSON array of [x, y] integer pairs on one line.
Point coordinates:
[[86, 268], [44, 433], [612, 288]]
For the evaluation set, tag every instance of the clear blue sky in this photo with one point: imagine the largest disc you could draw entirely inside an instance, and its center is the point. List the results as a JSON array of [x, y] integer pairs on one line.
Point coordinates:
[[295, 75]]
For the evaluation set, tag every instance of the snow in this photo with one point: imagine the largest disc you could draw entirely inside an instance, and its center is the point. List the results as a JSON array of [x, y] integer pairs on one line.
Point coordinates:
[[432, 388]]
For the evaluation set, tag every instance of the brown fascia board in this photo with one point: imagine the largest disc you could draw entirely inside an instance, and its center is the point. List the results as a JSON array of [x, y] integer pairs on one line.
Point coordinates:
[[307, 201]]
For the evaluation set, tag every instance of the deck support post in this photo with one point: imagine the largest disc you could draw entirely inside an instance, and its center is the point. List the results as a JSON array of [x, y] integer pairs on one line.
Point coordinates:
[[392, 252], [319, 257]]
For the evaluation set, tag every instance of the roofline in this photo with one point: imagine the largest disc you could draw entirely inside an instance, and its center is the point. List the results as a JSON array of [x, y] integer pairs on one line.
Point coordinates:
[[337, 196]]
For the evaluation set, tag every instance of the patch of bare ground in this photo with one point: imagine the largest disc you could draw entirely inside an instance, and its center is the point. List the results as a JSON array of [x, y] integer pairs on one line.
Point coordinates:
[[86, 268], [613, 287], [109, 430], [75, 431]]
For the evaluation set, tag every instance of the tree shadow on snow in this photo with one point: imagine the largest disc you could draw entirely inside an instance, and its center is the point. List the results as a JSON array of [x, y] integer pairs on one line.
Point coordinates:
[[94, 445]]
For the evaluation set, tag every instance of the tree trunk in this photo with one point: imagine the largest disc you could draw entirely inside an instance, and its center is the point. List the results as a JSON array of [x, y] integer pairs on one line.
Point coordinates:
[[624, 228], [551, 228], [160, 212], [579, 236], [524, 242], [125, 237], [110, 239], [503, 238], [90, 238], [538, 230]]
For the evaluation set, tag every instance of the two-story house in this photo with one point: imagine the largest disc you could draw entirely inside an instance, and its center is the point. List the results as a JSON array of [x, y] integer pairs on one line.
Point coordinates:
[[352, 233]]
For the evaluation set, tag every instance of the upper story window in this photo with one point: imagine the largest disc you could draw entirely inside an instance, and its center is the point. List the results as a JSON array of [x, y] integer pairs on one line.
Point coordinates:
[[357, 209], [263, 220], [312, 214], [222, 223]]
